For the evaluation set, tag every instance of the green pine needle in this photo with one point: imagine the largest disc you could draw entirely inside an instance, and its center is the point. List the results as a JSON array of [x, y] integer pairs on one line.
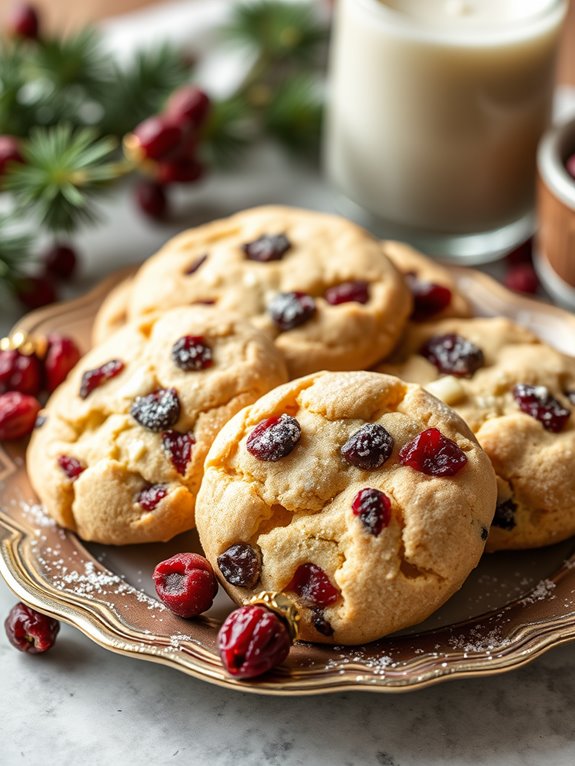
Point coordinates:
[[14, 248], [63, 171], [294, 115], [227, 132], [78, 60]]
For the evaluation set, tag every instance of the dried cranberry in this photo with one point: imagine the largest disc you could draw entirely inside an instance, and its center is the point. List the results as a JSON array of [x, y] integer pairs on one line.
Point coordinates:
[[320, 623], [369, 447], [313, 586], [522, 278], [505, 515], [60, 261], [62, 355], [433, 453], [289, 310], [29, 630], [453, 355], [373, 509], [269, 247], [24, 22], [9, 152], [93, 379], [538, 402], [253, 640], [188, 106], [36, 291], [192, 353], [20, 372], [157, 411], [195, 265], [152, 200], [156, 137], [179, 170], [186, 584], [429, 298], [18, 414], [274, 438], [347, 292], [150, 497], [240, 564], [71, 466], [179, 448]]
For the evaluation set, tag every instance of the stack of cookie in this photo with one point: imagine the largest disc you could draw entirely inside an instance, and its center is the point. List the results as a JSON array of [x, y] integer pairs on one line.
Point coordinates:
[[361, 494]]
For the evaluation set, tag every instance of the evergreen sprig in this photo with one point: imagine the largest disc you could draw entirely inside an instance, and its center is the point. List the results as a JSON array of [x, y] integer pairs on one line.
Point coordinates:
[[14, 250]]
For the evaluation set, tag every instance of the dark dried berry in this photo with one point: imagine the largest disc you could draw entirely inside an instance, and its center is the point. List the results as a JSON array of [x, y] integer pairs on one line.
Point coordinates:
[[538, 402], [429, 298], [348, 292], [179, 448], [289, 310], [373, 509], [453, 355], [29, 630], [192, 353], [186, 584], [269, 247], [71, 466], [505, 515], [274, 438], [433, 453], [195, 265], [150, 497], [157, 411], [241, 565], [313, 586], [320, 623], [20, 372], [92, 379], [252, 640], [369, 447]]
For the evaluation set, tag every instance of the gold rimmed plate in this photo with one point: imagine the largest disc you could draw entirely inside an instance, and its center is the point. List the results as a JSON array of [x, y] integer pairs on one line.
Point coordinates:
[[513, 607]]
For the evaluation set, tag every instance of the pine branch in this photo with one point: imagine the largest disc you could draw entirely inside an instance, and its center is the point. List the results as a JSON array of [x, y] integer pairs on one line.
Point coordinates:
[[14, 248], [227, 132], [294, 115]]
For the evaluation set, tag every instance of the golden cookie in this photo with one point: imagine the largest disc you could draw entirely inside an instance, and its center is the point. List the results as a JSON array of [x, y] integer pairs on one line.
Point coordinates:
[[113, 313]]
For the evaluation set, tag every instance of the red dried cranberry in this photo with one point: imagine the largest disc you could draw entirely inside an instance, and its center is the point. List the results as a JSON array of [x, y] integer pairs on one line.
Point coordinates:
[[240, 564], [18, 414], [150, 497], [9, 152], [289, 310], [20, 372], [157, 411], [195, 265], [188, 106], [522, 278], [191, 353], [523, 253], [369, 447], [62, 355], [152, 200], [93, 379], [347, 292], [453, 355], [253, 640], [505, 515], [186, 584], [429, 298], [538, 402], [157, 137], [24, 22], [433, 453], [179, 448], [180, 170], [320, 623], [29, 630], [71, 466], [60, 260], [269, 247], [36, 291], [274, 438], [373, 509], [313, 586], [570, 166]]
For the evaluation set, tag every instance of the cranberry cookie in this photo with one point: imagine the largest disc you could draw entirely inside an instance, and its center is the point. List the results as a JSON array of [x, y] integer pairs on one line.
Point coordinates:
[[317, 284], [518, 396], [120, 456], [364, 498], [113, 313]]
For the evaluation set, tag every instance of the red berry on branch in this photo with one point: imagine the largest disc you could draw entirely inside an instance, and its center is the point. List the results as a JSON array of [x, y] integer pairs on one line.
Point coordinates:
[[186, 584], [152, 200], [62, 355], [36, 291], [9, 152], [20, 372], [183, 170], [522, 278], [24, 22], [155, 138], [18, 414], [188, 106], [60, 261], [29, 631]]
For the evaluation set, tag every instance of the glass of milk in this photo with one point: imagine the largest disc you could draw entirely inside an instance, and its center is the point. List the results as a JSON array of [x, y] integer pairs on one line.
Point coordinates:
[[435, 111]]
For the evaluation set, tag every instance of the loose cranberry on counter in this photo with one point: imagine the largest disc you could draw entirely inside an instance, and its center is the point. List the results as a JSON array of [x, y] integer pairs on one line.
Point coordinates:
[[313, 586], [24, 22], [186, 584], [429, 298], [369, 447], [18, 413], [152, 200], [240, 565], [188, 106], [522, 278], [541, 405], [20, 372], [453, 355], [269, 247], [62, 355], [289, 310], [9, 152], [95, 378], [30, 631], [150, 497], [157, 411], [192, 353], [36, 291], [348, 292], [433, 453], [274, 438], [373, 509], [60, 261], [71, 466], [179, 449], [252, 640]]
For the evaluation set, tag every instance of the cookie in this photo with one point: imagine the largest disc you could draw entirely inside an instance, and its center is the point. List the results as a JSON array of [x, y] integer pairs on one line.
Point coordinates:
[[433, 288], [517, 394], [318, 285], [362, 497], [113, 313], [120, 456]]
